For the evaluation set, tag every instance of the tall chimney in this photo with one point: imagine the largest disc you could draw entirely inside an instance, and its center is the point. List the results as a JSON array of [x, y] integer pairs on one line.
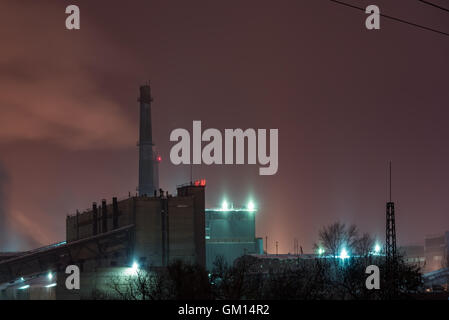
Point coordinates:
[[148, 164]]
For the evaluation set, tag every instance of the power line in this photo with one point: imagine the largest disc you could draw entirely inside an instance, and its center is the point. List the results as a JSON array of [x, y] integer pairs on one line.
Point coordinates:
[[393, 18], [434, 5]]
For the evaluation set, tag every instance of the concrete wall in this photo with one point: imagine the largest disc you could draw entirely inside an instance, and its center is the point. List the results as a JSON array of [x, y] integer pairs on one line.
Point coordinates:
[[199, 225], [148, 239], [181, 230]]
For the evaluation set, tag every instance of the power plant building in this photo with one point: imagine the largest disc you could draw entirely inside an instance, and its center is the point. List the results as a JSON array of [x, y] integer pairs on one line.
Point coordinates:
[[148, 230], [231, 233]]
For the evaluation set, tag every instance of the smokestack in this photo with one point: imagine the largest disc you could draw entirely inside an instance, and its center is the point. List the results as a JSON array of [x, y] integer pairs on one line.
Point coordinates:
[[148, 163]]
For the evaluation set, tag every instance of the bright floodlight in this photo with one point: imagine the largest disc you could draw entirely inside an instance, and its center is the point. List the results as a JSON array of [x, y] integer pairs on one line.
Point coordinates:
[[132, 271], [224, 205], [251, 206], [344, 254], [50, 276], [51, 285], [320, 251], [377, 248], [24, 287]]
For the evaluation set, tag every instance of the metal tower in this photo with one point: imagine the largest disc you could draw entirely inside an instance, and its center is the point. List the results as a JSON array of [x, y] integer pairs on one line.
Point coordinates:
[[148, 162], [390, 243]]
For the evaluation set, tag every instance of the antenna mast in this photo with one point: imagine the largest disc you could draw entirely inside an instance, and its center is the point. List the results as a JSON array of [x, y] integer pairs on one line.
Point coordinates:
[[390, 243]]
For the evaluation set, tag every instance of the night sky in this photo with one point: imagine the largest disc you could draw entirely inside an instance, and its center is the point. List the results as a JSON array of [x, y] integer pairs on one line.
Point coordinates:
[[345, 100]]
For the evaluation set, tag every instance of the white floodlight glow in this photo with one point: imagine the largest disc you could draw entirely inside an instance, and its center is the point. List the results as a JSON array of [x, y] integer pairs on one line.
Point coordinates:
[[344, 254], [377, 248], [224, 205], [50, 276], [24, 287], [251, 206], [133, 270], [51, 285], [320, 250]]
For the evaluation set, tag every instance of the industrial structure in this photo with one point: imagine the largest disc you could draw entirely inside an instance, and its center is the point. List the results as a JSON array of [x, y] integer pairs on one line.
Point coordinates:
[[231, 233], [432, 258], [148, 160], [390, 242], [149, 230], [166, 228], [109, 240]]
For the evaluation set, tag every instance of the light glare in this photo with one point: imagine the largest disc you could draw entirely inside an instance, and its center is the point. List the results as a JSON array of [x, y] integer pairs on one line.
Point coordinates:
[[224, 205], [251, 206], [344, 254], [133, 270], [377, 248]]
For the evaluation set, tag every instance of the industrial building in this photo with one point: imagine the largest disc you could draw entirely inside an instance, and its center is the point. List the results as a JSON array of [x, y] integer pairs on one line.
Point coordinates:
[[165, 228], [231, 233], [432, 256], [436, 249], [148, 230]]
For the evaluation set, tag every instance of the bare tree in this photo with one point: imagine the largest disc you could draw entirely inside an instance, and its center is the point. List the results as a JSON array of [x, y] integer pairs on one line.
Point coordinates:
[[189, 281], [364, 245], [336, 236], [143, 285], [240, 281]]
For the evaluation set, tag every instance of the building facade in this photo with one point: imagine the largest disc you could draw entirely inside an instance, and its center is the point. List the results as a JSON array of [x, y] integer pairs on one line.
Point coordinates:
[[230, 233], [436, 249], [432, 256], [149, 232]]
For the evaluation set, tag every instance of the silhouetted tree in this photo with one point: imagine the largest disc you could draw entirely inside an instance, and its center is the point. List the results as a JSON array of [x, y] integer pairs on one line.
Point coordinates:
[[189, 281], [336, 236], [144, 285], [179, 281], [240, 281]]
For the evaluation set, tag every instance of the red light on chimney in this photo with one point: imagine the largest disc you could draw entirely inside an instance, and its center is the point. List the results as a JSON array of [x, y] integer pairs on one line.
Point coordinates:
[[203, 182], [197, 183], [159, 158]]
